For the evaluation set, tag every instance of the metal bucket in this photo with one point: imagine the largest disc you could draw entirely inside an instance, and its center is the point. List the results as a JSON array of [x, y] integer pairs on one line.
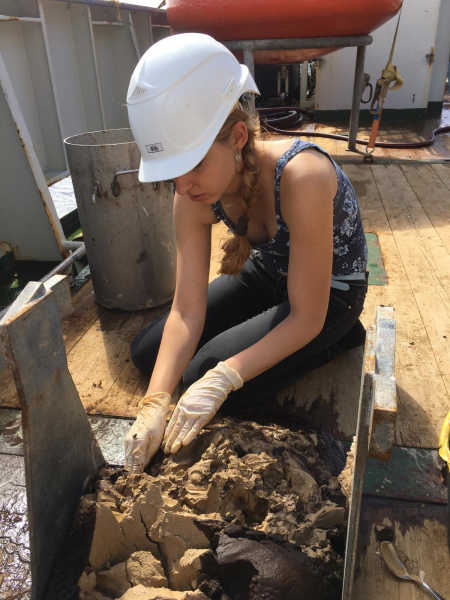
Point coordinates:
[[127, 225]]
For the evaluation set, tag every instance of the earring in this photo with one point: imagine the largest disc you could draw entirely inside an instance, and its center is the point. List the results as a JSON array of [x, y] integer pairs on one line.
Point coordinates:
[[237, 156]]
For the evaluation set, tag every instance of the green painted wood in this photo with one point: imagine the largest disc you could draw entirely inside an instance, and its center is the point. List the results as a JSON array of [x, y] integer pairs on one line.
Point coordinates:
[[375, 264], [411, 474]]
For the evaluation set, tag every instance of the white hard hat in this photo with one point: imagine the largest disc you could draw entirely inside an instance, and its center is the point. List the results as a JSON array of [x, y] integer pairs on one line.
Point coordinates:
[[180, 95]]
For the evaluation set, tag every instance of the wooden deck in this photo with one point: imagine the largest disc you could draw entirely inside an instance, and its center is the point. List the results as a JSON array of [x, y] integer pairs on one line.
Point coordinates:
[[408, 207]]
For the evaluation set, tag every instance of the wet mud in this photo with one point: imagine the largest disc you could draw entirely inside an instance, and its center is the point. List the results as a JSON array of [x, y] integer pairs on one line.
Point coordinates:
[[246, 512], [15, 579]]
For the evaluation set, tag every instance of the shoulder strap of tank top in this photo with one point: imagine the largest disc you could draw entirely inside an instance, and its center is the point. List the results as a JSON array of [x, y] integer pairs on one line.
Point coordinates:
[[221, 214], [296, 147]]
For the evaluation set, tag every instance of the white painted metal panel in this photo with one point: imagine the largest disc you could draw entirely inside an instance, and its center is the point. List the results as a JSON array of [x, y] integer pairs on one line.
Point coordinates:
[[442, 51], [142, 27], [65, 68], [66, 76], [25, 228], [116, 57], [19, 8], [43, 95], [13, 50], [84, 55], [416, 36]]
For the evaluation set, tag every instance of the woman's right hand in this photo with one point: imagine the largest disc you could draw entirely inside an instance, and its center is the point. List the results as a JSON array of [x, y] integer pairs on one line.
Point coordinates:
[[146, 433]]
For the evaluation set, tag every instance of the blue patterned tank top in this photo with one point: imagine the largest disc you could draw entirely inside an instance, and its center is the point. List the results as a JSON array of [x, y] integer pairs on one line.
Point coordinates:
[[349, 242]]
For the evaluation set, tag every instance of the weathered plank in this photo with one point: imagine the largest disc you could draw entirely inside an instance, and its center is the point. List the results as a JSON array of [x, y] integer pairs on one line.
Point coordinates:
[[426, 261], [443, 171], [433, 195], [419, 531], [327, 144], [99, 357], [421, 248], [218, 237], [120, 396], [8, 391], [423, 399], [86, 311], [84, 315]]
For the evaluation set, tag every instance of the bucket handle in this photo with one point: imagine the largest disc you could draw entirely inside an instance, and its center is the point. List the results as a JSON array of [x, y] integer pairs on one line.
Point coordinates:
[[115, 187]]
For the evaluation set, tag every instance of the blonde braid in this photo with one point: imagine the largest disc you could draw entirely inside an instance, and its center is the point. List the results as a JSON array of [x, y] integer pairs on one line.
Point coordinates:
[[238, 249]]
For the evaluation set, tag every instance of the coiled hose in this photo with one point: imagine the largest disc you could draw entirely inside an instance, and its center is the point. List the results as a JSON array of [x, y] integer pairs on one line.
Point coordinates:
[[291, 116]]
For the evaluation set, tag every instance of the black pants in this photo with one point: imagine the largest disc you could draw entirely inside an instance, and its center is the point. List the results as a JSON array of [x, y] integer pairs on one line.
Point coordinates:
[[242, 310]]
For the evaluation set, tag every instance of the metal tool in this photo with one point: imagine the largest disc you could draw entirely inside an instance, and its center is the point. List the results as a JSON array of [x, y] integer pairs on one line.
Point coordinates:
[[398, 568], [60, 448], [376, 423]]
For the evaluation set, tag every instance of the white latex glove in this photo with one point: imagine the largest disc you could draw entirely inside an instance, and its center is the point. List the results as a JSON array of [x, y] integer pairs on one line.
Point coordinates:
[[199, 404], [146, 433]]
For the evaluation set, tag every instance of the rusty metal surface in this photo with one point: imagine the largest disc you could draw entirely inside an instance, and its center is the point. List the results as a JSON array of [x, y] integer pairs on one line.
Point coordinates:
[[385, 389], [385, 351], [384, 417], [60, 449], [361, 450], [376, 422]]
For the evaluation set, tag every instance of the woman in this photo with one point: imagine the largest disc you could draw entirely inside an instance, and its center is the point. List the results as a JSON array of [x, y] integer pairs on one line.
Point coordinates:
[[292, 282]]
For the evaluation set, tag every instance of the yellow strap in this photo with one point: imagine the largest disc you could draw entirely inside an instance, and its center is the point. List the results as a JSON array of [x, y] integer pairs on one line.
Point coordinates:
[[444, 450], [395, 36], [391, 72]]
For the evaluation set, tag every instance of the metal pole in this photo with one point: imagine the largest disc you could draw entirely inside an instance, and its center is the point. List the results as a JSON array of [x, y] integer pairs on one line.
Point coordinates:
[[52, 78], [134, 37], [108, 23], [70, 260], [150, 28], [356, 102], [59, 446], [249, 61], [299, 43], [26, 19], [304, 84], [97, 72]]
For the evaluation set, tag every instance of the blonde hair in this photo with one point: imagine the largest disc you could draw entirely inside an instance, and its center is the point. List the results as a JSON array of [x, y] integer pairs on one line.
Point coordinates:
[[237, 249]]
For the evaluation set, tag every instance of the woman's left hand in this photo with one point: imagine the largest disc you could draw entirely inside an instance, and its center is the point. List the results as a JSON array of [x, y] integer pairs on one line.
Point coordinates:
[[199, 404]]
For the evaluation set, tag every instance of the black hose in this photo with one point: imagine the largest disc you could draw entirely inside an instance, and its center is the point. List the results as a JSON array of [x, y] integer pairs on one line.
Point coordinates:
[[271, 124], [67, 262]]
